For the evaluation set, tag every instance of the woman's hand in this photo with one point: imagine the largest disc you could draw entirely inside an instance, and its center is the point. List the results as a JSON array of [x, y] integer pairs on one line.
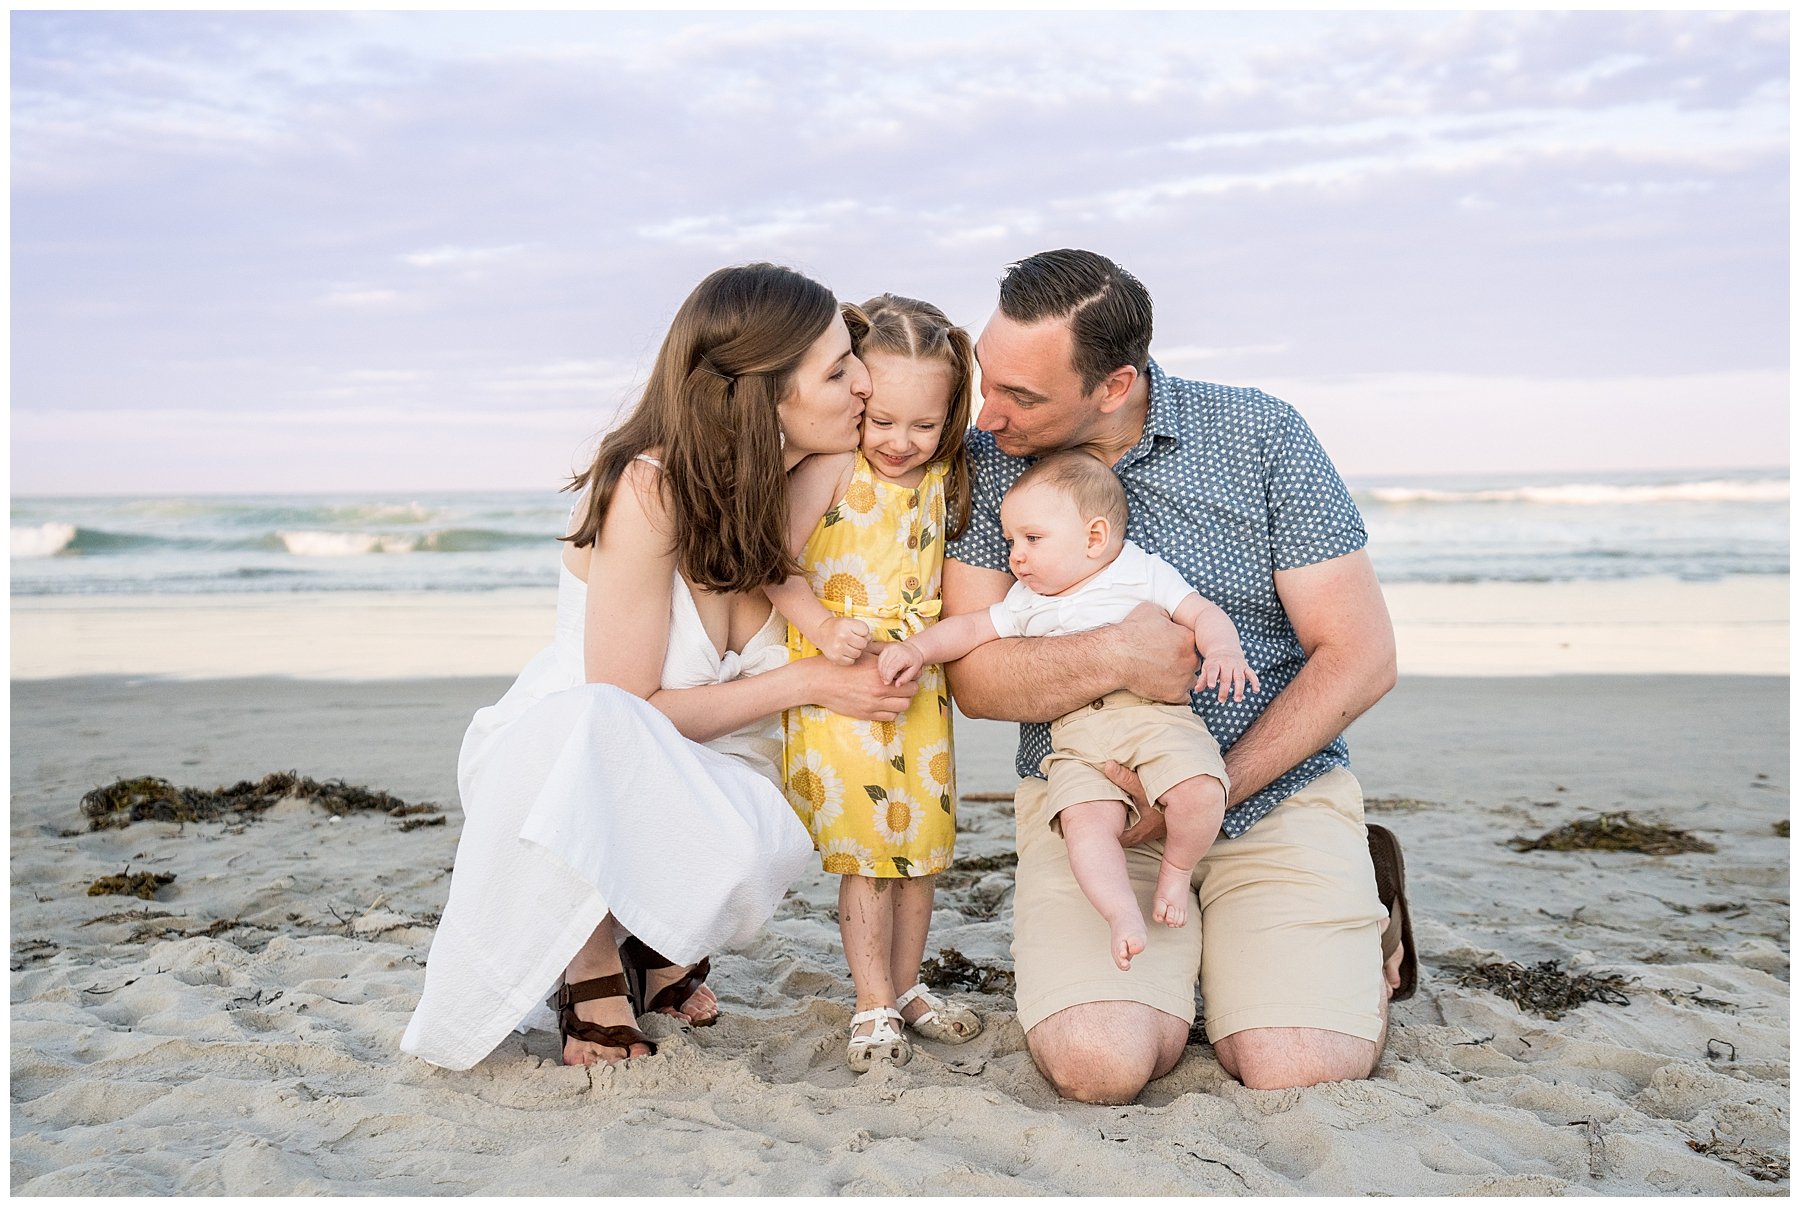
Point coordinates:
[[858, 691]]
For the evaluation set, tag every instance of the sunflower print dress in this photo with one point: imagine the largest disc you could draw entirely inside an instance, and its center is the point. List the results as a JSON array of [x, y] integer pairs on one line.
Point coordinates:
[[879, 797]]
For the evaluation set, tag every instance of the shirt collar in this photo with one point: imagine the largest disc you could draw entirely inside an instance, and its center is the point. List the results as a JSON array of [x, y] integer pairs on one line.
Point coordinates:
[[1161, 420]]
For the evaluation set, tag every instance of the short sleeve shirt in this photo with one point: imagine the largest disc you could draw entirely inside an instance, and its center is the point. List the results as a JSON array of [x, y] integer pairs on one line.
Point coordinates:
[[1228, 485], [1133, 577]]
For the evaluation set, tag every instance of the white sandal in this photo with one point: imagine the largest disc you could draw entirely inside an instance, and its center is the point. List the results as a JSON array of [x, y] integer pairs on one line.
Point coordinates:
[[884, 1043], [946, 1022]]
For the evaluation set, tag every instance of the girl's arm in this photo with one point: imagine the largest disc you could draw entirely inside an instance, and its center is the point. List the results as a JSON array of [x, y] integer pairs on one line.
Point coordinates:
[[1224, 666], [945, 641], [631, 573], [813, 486]]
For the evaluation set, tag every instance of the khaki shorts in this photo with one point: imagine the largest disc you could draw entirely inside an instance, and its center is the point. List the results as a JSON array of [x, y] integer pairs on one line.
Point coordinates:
[[1164, 743], [1288, 931]]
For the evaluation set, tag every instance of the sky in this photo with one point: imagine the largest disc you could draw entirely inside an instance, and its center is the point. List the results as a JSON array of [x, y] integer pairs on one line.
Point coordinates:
[[272, 252]]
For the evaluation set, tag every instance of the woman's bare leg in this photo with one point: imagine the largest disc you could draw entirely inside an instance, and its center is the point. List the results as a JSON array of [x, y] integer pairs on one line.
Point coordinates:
[[1092, 829], [599, 957]]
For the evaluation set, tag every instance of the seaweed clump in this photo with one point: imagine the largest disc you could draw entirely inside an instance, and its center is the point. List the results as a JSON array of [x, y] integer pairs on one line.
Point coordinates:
[[1544, 988], [951, 969], [147, 798], [131, 884], [1781, 828], [1615, 832], [1764, 1167]]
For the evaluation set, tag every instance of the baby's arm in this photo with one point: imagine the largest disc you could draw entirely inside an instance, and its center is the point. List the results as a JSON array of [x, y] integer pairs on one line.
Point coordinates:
[[945, 641], [1224, 665], [813, 486]]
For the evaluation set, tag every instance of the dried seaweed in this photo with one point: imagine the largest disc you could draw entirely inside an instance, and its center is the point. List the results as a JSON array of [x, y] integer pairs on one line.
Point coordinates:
[[1544, 988], [1764, 1167], [987, 796], [1396, 804], [951, 969], [159, 930], [1781, 828], [131, 884], [147, 798], [1615, 832]]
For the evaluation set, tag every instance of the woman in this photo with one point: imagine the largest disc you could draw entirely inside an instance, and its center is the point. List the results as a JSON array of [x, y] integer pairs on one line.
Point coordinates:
[[590, 807]]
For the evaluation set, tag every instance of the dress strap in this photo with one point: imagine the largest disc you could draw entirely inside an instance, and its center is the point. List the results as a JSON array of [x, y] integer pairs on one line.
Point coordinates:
[[648, 460]]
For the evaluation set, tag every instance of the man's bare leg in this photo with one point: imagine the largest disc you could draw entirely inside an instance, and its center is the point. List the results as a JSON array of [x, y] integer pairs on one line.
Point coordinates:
[[1091, 829], [1193, 810], [1106, 1051]]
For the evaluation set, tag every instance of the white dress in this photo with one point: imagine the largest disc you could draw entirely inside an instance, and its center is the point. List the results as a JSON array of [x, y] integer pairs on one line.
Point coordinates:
[[581, 799]]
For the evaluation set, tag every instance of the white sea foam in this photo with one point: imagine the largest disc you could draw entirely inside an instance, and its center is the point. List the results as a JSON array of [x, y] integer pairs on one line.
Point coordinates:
[[1595, 494], [343, 544], [41, 540]]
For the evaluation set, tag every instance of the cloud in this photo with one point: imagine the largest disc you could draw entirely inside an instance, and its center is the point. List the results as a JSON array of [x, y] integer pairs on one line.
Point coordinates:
[[358, 298], [451, 256], [221, 212]]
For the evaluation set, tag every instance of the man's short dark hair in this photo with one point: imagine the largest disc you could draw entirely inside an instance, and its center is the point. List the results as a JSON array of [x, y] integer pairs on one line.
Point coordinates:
[[1108, 309]]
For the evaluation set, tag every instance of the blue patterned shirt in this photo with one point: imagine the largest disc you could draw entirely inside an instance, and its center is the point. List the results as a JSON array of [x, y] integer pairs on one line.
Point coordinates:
[[1229, 485]]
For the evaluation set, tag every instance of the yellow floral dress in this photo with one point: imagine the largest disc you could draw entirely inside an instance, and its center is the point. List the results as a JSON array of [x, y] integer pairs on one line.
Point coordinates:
[[879, 797]]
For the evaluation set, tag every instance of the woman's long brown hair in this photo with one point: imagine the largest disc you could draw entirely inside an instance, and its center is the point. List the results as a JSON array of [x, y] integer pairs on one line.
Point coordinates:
[[710, 408], [918, 330]]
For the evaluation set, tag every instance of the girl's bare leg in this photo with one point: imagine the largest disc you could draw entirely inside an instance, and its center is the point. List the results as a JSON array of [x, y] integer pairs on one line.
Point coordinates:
[[1193, 809], [1092, 831], [866, 922], [912, 920], [599, 957]]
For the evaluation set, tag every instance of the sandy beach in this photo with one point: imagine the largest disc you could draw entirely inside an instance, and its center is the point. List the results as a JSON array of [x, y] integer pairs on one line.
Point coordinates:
[[238, 1033]]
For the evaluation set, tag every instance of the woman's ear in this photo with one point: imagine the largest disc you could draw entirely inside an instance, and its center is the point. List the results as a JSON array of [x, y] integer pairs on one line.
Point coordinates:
[[1099, 536]]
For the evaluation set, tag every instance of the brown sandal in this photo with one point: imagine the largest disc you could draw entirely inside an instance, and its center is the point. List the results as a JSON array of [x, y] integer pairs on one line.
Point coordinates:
[[567, 997], [1390, 886], [640, 958]]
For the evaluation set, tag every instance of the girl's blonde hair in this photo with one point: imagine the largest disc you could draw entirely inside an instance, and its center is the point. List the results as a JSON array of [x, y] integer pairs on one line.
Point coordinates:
[[920, 331], [710, 408]]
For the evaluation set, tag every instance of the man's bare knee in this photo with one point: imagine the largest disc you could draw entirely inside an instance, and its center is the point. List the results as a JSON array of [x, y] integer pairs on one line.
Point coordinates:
[[1104, 1052], [1280, 1058]]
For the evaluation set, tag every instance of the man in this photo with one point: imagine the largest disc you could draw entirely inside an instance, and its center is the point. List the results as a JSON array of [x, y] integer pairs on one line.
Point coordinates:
[[1230, 486]]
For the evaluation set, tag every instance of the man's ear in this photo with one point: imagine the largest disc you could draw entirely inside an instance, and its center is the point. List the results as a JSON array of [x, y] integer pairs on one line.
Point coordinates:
[[1099, 536], [1115, 387]]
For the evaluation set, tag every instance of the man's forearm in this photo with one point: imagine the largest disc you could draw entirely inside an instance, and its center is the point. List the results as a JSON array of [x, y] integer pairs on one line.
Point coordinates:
[[1033, 678], [1331, 690]]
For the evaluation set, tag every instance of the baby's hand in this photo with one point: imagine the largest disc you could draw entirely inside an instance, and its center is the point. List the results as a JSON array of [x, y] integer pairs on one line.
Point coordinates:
[[1229, 672], [899, 662], [842, 639]]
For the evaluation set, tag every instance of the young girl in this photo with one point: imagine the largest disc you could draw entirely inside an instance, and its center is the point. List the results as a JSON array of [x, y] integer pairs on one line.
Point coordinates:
[[880, 796]]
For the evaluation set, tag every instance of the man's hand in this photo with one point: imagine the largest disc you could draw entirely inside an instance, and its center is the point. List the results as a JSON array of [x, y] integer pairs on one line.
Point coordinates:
[[1156, 655], [900, 661], [842, 639], [1150, 823]]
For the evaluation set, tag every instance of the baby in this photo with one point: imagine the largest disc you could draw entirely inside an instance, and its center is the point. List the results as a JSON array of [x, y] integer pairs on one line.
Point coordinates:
[[1065, 520]]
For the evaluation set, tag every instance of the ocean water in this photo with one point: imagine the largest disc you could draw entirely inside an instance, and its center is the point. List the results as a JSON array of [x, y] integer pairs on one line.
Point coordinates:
[[1543, 528]]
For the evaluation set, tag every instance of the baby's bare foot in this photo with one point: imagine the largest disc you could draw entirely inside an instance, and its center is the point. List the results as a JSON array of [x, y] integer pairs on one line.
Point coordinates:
[[1170, 906], [1128, 939]]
